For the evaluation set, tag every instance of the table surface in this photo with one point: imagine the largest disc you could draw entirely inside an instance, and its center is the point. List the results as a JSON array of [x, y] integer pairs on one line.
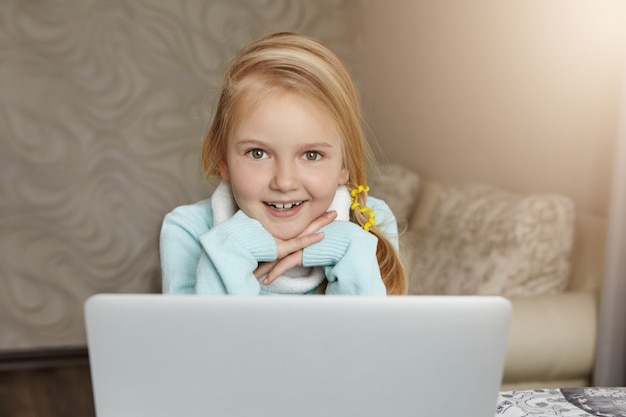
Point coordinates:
[[564, 402]]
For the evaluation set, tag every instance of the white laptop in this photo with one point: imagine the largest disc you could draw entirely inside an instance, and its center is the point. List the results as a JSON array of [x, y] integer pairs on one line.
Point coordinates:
[[300, 356]]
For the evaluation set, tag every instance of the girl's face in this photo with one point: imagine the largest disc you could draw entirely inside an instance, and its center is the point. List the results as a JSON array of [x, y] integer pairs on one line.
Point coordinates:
[[284, 163]]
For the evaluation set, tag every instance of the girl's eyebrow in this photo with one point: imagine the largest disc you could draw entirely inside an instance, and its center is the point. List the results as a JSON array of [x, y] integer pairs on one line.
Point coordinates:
[[250, 142], [316, 145]]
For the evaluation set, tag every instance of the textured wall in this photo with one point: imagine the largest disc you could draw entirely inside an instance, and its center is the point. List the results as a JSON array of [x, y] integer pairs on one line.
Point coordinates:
[[102, 109]]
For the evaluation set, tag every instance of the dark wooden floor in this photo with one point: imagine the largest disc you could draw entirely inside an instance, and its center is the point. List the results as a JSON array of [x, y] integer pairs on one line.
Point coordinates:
[[48, 392]]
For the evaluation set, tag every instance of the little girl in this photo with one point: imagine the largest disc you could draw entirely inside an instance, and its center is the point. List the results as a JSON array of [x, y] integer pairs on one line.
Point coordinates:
[[291, 214]]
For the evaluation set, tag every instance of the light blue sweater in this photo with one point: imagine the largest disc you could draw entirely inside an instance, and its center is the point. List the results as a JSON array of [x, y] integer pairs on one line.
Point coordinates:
[[198, 257]]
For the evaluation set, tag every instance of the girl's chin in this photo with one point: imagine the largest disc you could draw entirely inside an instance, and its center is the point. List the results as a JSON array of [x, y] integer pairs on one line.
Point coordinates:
[[283, 233], [284, 236]]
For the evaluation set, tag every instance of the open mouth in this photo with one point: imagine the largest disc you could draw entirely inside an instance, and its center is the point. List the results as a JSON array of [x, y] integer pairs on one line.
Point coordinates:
[[284, 206]]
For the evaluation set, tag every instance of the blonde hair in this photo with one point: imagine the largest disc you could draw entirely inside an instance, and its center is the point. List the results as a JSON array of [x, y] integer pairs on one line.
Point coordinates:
[[286, 61]]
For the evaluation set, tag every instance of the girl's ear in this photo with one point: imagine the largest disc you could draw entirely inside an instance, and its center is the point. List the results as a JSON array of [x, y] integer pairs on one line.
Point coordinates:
[[223, 171], [344, 176]]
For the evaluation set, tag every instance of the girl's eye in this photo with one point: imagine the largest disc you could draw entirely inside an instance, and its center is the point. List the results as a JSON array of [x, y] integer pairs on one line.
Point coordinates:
[[257, 154], [312, 155]]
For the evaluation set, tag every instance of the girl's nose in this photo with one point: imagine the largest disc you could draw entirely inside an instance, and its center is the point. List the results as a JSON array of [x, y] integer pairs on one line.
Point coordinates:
[[285, 177]]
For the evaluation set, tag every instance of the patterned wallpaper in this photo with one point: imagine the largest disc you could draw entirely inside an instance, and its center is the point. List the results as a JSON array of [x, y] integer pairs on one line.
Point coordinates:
[[102, 109]]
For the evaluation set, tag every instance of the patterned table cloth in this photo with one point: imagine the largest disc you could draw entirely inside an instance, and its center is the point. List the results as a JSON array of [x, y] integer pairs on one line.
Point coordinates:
[[564, 402]]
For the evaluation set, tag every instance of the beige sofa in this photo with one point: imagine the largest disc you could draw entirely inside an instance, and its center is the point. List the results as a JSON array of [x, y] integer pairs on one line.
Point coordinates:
[[553, 334]]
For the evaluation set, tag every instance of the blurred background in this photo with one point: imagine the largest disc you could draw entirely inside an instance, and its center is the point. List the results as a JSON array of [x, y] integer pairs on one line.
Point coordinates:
[[103, 105]]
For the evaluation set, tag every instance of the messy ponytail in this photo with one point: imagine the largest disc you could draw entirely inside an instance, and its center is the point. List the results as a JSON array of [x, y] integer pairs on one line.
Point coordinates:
[[391, 269]]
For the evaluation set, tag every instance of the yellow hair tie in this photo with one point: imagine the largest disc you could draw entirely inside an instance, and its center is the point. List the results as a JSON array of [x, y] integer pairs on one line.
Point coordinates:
[[359, 190], [357, 206]]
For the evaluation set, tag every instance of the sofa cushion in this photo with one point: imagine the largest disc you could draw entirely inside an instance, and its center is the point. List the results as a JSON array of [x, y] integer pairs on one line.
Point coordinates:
[[398, 187], [480, 240]]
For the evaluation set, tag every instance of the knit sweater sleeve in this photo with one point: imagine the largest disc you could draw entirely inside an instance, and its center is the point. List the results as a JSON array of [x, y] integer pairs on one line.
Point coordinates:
[[179, 246], [231, 251], [348, 255]]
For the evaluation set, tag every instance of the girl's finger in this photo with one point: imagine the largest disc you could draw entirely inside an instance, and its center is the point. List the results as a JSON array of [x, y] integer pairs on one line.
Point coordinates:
[[263, 268], [287, 247], [282, 266], [320, 222]]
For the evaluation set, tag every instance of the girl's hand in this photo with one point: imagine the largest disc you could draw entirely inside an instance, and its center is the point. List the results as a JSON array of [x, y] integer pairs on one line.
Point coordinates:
[[290, 251]]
